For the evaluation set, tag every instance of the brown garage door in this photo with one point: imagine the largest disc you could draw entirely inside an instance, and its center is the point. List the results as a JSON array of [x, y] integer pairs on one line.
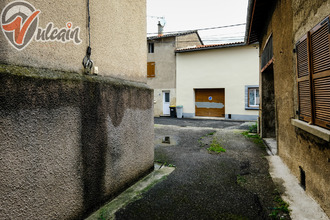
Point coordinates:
[[210, 102]]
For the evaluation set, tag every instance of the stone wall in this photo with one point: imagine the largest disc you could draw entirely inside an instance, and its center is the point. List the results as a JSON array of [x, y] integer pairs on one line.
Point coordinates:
[[299, 149], [69, 142]]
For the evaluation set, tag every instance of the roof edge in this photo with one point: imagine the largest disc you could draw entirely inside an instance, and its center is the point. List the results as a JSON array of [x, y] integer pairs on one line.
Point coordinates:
[[175, 34], [209, 47], [249, 20]]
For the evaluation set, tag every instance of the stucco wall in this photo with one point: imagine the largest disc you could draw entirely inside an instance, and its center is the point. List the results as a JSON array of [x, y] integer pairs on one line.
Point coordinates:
[[164, 58], [158, 100], [229, 68], [69, 142], [165, 67], [296, 147], [118, 34]]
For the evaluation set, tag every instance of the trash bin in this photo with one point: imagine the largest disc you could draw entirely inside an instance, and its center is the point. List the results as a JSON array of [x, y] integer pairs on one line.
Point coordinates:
[[173, 111], [179, 109]]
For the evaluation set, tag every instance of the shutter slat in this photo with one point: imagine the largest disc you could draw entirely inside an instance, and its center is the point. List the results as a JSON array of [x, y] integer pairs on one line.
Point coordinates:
[[302, 58], [322, 100], [320, 49]]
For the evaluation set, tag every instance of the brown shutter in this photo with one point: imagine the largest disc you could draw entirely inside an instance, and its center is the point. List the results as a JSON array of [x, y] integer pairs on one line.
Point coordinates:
[[304, 94], [320, 44], [151, 69]]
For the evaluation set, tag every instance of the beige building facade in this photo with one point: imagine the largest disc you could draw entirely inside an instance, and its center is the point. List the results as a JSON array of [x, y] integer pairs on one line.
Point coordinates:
[[294, 76], [72, 137], [161, 53], [218, 80]]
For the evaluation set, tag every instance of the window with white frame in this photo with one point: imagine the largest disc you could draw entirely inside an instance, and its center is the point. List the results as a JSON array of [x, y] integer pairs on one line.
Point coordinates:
[[252, 98]]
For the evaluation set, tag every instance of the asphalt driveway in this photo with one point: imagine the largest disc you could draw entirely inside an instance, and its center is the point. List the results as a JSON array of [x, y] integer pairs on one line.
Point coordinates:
[[234, 184]]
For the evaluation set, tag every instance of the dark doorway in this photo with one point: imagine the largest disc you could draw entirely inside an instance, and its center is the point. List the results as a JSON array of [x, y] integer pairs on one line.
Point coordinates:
[[268, 129]]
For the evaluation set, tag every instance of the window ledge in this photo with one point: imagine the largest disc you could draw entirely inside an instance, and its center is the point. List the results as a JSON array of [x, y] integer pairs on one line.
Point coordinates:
[[315, 130], [251, 108]]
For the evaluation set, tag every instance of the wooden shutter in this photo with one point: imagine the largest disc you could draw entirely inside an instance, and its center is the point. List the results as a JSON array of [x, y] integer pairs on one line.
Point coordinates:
[[151, 69], [320, 68], [304, 92]]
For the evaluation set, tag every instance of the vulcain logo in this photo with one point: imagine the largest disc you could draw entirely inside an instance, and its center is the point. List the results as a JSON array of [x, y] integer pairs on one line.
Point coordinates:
[[20, 24]]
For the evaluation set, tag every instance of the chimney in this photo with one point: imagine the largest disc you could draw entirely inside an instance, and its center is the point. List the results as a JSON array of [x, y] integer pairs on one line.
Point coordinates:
[[160, 29]]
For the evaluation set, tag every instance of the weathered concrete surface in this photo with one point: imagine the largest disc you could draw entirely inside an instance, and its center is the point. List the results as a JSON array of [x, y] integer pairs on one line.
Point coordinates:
[[231, 185], [69, 142], [302, 206], [131, 194]]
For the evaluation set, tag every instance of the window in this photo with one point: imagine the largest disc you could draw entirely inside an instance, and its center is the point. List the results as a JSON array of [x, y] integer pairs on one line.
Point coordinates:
[[252, 98], [167, 97], [151, 69], [313, 75], [151, 47]]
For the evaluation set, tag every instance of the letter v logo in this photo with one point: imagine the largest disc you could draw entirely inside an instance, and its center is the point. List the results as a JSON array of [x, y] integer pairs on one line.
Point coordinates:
[[19, 22]]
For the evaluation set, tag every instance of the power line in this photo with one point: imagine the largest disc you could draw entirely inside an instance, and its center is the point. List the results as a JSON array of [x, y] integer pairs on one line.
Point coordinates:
[[203, 29]]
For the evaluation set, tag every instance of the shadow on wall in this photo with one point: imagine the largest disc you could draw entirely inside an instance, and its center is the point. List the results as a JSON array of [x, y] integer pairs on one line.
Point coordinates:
[[92, 101]]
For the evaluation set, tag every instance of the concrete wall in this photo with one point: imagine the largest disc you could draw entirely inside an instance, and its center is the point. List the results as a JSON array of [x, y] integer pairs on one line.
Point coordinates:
[[297, 147], [68, 142], [118, 32], [229, 68]]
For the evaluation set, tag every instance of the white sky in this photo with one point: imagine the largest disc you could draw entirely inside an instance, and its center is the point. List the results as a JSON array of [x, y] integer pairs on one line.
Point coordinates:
[[181, 15]]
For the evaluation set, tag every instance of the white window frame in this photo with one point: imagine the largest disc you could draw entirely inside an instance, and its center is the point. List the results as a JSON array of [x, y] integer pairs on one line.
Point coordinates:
[[247, 94]]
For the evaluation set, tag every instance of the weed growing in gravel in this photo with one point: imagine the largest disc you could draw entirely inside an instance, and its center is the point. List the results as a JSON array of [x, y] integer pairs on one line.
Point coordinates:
[[281, 211], [240, 180], [253, 128], [165, 163], [255, 138], [200, 142], [216, 147]]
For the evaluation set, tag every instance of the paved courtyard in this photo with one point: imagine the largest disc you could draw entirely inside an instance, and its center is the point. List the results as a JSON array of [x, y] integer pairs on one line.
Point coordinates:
[[234, 184]]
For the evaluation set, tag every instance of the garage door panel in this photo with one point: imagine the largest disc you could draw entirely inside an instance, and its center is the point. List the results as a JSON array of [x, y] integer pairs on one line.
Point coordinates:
[[210, 102], [207, 112]]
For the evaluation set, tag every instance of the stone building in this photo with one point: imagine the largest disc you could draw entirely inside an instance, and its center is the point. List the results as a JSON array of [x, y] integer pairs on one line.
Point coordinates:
[[295, 86], [162, 67], [72, 136]]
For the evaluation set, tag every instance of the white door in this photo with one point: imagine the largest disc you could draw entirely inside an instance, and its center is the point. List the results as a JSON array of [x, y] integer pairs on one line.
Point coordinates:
[[166, 103]]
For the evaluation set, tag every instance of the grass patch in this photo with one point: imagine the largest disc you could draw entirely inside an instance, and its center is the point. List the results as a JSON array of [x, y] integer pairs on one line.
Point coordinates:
[[216, 147]]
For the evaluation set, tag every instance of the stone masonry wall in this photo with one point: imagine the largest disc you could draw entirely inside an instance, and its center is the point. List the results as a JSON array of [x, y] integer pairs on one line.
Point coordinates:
[[298, 149]]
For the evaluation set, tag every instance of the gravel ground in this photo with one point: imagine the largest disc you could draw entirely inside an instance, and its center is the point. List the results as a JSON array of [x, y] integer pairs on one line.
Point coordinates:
[[231, 185]]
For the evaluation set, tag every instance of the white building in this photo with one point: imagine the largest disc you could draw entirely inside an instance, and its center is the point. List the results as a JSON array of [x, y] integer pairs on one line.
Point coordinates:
[[218, 81]]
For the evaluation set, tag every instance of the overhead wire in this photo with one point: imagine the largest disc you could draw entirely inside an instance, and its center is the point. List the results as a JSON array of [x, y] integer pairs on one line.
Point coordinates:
[[202, 29]]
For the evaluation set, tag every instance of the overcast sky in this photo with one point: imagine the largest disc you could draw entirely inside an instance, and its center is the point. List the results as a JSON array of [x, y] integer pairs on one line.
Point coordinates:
[[182, 15]]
